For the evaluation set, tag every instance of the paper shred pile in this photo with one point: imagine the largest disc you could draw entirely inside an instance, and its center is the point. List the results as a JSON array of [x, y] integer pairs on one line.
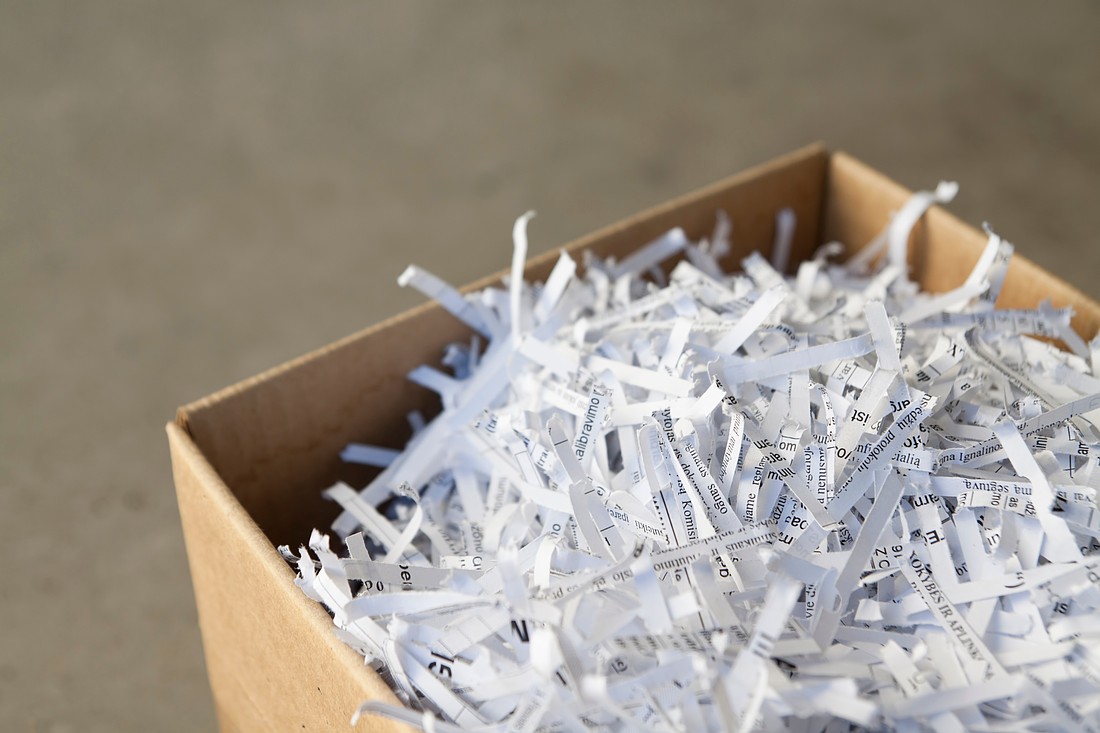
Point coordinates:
[[714, 501]]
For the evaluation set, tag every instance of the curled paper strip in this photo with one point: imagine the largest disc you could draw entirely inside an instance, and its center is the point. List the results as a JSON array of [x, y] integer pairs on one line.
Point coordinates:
[[734, 502]]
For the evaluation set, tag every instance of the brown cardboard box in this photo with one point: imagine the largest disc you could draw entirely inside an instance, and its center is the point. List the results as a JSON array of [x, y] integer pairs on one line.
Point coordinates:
[[251, 460]]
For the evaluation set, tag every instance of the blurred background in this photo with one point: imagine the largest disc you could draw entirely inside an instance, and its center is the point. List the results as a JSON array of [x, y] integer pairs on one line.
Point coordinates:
[[193, 192]]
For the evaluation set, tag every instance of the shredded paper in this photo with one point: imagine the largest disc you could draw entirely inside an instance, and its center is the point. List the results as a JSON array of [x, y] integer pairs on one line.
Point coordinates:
[[684, 500]]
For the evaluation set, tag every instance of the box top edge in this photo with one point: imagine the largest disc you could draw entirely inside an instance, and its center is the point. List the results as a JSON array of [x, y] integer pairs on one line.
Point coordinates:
[[817, 149], [184, 412]]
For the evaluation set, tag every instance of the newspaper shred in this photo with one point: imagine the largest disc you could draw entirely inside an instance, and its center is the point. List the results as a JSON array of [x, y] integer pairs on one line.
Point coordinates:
[[708, 501]]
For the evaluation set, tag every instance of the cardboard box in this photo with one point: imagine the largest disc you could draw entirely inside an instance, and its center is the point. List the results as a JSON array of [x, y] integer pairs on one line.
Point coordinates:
[[251, 460]]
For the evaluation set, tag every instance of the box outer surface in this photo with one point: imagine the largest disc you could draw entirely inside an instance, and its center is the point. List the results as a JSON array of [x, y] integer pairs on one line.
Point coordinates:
[[249, 462]]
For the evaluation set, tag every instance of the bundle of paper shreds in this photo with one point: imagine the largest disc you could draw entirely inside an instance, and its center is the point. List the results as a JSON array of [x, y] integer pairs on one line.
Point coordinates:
[[714, 501]]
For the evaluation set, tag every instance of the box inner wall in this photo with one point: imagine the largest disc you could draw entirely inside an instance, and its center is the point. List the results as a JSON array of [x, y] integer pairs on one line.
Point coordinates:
[[275, 439]]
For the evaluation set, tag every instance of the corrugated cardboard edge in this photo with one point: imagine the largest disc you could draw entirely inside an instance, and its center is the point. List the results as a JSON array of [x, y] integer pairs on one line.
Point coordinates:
[[537, 267]]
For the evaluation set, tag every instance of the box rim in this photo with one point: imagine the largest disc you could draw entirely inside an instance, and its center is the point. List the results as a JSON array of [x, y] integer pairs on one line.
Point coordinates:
[[815, 149]]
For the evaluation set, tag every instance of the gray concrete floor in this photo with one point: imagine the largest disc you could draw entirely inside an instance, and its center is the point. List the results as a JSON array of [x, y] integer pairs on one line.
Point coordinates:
[[194, 191]]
